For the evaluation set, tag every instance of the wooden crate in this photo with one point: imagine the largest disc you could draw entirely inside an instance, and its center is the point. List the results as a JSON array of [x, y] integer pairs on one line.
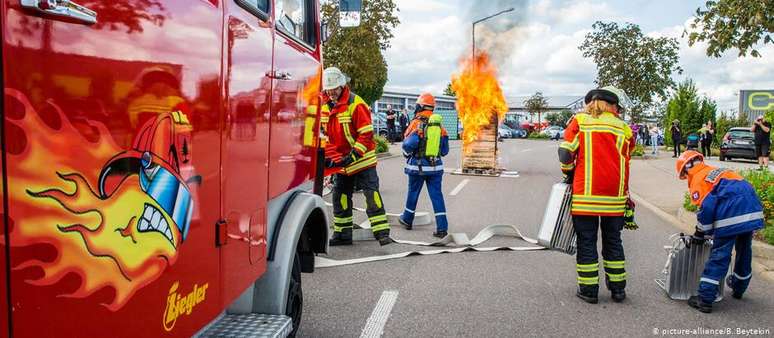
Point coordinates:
[[482, 154]]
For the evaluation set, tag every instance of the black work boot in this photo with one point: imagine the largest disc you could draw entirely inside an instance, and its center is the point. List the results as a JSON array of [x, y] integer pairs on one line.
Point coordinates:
[[383, 236], [404, 224], [730, 284], [588, 294], [618, 295], [440, 234], [341, 238], [696, 303]]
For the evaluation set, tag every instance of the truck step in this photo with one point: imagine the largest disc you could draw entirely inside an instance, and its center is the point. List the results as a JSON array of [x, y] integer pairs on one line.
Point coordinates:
[[251, 325]]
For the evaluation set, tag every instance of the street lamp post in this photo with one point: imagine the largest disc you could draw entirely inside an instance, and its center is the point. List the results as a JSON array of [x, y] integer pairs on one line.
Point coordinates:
[[482, 20]]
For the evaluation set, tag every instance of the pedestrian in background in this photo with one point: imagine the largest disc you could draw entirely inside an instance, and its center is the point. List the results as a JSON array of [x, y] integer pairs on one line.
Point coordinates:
[[730, 211], [654, 139], [644, 135], [635, 131], [391, 117], [425, 143], [762, 130], [600, 189], [403, 120], [677, 137], [707, 133]]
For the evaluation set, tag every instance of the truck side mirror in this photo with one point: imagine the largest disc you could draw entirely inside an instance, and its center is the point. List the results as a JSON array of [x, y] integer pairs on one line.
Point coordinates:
[[349, 12]]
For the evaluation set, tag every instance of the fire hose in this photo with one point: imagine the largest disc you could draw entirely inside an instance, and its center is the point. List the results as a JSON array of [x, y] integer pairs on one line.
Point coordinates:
[[452, 243]]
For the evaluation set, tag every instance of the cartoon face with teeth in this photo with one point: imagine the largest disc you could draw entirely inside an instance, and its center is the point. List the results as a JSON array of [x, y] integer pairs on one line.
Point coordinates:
[[155, 158]]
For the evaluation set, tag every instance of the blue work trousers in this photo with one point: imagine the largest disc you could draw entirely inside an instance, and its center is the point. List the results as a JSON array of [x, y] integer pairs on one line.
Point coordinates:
[[717, 266], [415, 184]]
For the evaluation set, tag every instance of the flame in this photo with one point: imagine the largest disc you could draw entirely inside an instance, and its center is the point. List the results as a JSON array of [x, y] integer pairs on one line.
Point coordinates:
[[51, 189], [479, 97], [311, 92]]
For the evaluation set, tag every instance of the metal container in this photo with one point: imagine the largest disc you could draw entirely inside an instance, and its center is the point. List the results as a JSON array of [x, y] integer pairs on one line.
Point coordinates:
[[556, 231], [684, 266]]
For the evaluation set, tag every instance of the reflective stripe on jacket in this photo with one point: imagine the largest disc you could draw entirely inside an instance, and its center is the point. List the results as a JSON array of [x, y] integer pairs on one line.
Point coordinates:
[[601, 148], [348, 127], [730, 208]]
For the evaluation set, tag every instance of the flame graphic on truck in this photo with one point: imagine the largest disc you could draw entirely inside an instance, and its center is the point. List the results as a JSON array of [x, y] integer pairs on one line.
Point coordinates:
[[116, 218]]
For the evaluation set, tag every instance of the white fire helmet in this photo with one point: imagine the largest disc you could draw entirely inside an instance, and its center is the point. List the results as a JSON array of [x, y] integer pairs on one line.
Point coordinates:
[[333, 78], [623, 99]]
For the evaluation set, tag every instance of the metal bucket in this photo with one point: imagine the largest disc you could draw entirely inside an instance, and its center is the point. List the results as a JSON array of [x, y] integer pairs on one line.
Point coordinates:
[[556, 230], [684, 266]]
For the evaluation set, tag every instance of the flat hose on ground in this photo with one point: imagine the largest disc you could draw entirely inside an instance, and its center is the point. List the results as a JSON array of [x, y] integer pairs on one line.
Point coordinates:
[[459, 242]]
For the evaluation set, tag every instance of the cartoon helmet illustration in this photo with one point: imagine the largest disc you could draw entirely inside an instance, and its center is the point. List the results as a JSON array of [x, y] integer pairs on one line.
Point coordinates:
[[155, 157]]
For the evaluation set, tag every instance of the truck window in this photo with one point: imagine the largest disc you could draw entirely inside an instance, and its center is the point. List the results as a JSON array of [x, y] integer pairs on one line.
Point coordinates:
[[296, 18], [258, 7]]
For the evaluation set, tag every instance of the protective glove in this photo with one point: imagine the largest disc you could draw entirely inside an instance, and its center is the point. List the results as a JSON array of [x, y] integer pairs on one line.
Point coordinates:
[[698, 236], [629, 222], [568, 177], [349, 159], [329, 163]]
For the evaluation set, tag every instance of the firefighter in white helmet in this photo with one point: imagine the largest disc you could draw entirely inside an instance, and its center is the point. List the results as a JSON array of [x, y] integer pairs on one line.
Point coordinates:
[[351, 147]]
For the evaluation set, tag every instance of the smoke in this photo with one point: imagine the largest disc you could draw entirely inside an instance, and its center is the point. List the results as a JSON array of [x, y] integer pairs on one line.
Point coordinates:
[[499, 36]]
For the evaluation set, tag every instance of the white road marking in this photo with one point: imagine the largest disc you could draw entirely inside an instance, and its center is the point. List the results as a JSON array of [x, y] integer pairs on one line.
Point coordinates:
[[526, 150], [375, 325], [459, 187]]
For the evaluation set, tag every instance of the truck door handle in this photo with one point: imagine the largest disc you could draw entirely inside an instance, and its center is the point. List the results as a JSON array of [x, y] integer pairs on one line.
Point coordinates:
[[64, 10], [279, 75]]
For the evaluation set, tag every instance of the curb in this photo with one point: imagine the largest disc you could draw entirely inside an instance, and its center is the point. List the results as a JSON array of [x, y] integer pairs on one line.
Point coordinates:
[[683, 223]]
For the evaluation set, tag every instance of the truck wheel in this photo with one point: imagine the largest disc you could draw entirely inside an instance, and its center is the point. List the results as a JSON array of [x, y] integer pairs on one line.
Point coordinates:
[[721, 157], [295, 305]]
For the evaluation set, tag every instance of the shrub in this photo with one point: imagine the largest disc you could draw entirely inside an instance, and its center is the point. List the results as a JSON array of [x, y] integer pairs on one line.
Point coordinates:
[[763, 182], [639, 150], [382, 146], [538, 136], [687, 205]]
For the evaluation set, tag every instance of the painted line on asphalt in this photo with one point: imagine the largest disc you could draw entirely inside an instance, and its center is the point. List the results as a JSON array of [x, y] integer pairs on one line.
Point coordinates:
[[459, 187], [526, 150], [375, 325]]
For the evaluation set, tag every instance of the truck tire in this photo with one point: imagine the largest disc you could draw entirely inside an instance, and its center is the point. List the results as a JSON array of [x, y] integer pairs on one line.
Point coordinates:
[[295, 305], [721, 157]]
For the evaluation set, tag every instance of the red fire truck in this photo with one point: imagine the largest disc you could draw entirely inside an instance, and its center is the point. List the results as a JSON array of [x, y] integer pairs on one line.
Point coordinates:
[[158, 166]]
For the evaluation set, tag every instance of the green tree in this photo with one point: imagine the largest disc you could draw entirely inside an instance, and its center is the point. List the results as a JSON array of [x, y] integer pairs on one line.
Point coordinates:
[[449, 91], [536, 104], [560, 118], [357, 51], [626, 58], [726, 24], [692, 111]]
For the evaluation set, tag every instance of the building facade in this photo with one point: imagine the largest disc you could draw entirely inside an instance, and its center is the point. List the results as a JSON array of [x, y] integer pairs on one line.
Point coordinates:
[[754, 103]]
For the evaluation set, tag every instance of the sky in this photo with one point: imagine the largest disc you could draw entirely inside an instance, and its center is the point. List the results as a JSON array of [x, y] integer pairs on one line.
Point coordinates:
[[538, 50]]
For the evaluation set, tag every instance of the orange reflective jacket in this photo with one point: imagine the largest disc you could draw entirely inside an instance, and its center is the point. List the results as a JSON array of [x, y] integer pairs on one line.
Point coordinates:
[[602, 149]]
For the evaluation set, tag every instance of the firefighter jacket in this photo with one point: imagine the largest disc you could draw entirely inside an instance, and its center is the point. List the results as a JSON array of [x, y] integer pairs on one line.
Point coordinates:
[[597, 152], [347, 123], [411, 145], [728, 205]]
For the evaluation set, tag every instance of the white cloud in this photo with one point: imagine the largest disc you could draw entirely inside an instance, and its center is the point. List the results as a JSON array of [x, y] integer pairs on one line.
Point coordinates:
[[430, 41]]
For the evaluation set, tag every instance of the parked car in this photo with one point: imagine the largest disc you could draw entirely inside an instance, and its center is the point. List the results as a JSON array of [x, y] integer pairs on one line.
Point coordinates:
[[503, 132], [516, 130], [738, 143], [554, 132]]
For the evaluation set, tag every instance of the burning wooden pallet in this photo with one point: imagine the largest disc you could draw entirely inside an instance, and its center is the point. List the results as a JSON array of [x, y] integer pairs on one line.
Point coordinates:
[[480, 157]]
